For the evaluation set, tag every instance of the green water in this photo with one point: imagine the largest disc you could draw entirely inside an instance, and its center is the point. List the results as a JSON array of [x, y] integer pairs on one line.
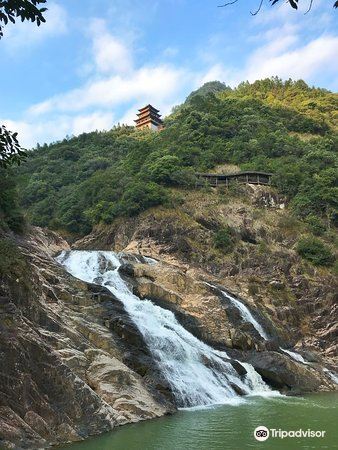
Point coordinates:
[[229, 427]]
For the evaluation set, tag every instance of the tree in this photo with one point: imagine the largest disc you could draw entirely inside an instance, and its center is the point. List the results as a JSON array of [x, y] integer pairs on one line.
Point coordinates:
[[10, 10], [292, 3], [224, 239]]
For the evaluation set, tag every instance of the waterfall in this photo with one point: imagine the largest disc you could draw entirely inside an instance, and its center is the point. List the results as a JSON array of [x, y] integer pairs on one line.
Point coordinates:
[[255, 381], [296, 356], [244, 312], [197, 374], [150, 261], [248, 317], [333, 376]]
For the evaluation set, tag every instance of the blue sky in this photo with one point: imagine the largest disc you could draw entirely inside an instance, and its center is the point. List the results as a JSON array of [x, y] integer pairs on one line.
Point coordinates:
[[95, 62]]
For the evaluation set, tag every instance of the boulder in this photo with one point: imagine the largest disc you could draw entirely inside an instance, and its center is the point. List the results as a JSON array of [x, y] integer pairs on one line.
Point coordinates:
[[282, 372]]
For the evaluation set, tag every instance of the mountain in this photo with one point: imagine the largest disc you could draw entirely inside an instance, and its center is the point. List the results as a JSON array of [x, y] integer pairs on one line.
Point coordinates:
[[211, 87]]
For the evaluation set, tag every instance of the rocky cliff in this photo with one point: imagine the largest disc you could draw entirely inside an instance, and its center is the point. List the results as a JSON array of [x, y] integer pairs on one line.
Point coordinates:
[[72, 363]]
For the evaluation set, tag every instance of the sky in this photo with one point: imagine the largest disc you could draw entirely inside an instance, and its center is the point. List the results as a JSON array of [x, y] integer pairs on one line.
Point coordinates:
[[95, 62]]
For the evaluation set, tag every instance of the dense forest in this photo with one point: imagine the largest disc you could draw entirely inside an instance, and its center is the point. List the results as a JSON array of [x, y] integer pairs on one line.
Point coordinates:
[[287, 128]]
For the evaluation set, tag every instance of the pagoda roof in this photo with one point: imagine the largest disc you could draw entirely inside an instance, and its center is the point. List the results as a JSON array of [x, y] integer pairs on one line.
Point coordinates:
[[148, 114], [149, 106]]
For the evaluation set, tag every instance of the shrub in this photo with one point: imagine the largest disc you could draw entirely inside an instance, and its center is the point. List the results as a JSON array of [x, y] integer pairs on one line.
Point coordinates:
[[315, 251], [224, 239], [163, 169], [140, 196], [316, 225], [10, 214], [253, 289]]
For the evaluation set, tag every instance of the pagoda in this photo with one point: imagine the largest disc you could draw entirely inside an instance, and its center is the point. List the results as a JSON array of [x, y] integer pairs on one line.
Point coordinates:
[[149, 117]]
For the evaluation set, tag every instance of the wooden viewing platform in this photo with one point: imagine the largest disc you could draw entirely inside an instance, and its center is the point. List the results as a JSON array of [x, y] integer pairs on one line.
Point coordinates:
[[221, 179]]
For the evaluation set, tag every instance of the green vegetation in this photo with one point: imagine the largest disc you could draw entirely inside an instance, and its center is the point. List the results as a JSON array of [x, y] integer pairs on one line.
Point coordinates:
[[11, 258], [287, 128], [315, 251], [316, 225], [224, 239], [11, 217], [211, 87]]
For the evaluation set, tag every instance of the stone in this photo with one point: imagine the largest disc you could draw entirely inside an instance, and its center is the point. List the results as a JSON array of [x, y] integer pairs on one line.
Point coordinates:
[[283, 373]]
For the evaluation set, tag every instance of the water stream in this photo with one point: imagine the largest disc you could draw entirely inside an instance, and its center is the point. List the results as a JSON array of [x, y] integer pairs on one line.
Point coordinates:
[[229, 427], [201, 376], [296, 356], [246, 314], [248, 317]]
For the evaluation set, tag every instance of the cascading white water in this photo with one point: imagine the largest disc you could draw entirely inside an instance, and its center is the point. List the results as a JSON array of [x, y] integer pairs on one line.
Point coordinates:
[[296, 356], [255, 381], [248, 317], [244, 312], [332, 375], [150, 261], [197, 374]]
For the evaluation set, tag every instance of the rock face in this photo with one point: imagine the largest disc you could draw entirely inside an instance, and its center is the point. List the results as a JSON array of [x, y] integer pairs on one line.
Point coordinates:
[[207, 314], [72, 363], [200, 306]]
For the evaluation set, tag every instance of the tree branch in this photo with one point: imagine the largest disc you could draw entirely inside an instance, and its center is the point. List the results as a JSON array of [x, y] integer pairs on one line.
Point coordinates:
[[310, 6], [259, 8], [226, 4]]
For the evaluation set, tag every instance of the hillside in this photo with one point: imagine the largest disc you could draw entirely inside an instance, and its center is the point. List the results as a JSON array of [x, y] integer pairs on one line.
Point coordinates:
[[74, 184], [286, 128]]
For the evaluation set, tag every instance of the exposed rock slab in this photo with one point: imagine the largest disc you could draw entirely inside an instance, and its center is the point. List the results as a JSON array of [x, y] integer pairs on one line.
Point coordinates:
[[69, 356]]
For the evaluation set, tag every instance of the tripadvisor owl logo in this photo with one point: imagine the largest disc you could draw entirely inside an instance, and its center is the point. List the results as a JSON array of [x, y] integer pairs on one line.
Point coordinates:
[[261, 433]]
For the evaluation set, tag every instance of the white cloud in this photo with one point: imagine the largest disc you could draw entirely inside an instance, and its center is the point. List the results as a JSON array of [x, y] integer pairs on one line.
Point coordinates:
[[301, 62], [154, 83], [32, 131], [217, 72], [284, 55], [115, 82], [20, 35], [110, 54]]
